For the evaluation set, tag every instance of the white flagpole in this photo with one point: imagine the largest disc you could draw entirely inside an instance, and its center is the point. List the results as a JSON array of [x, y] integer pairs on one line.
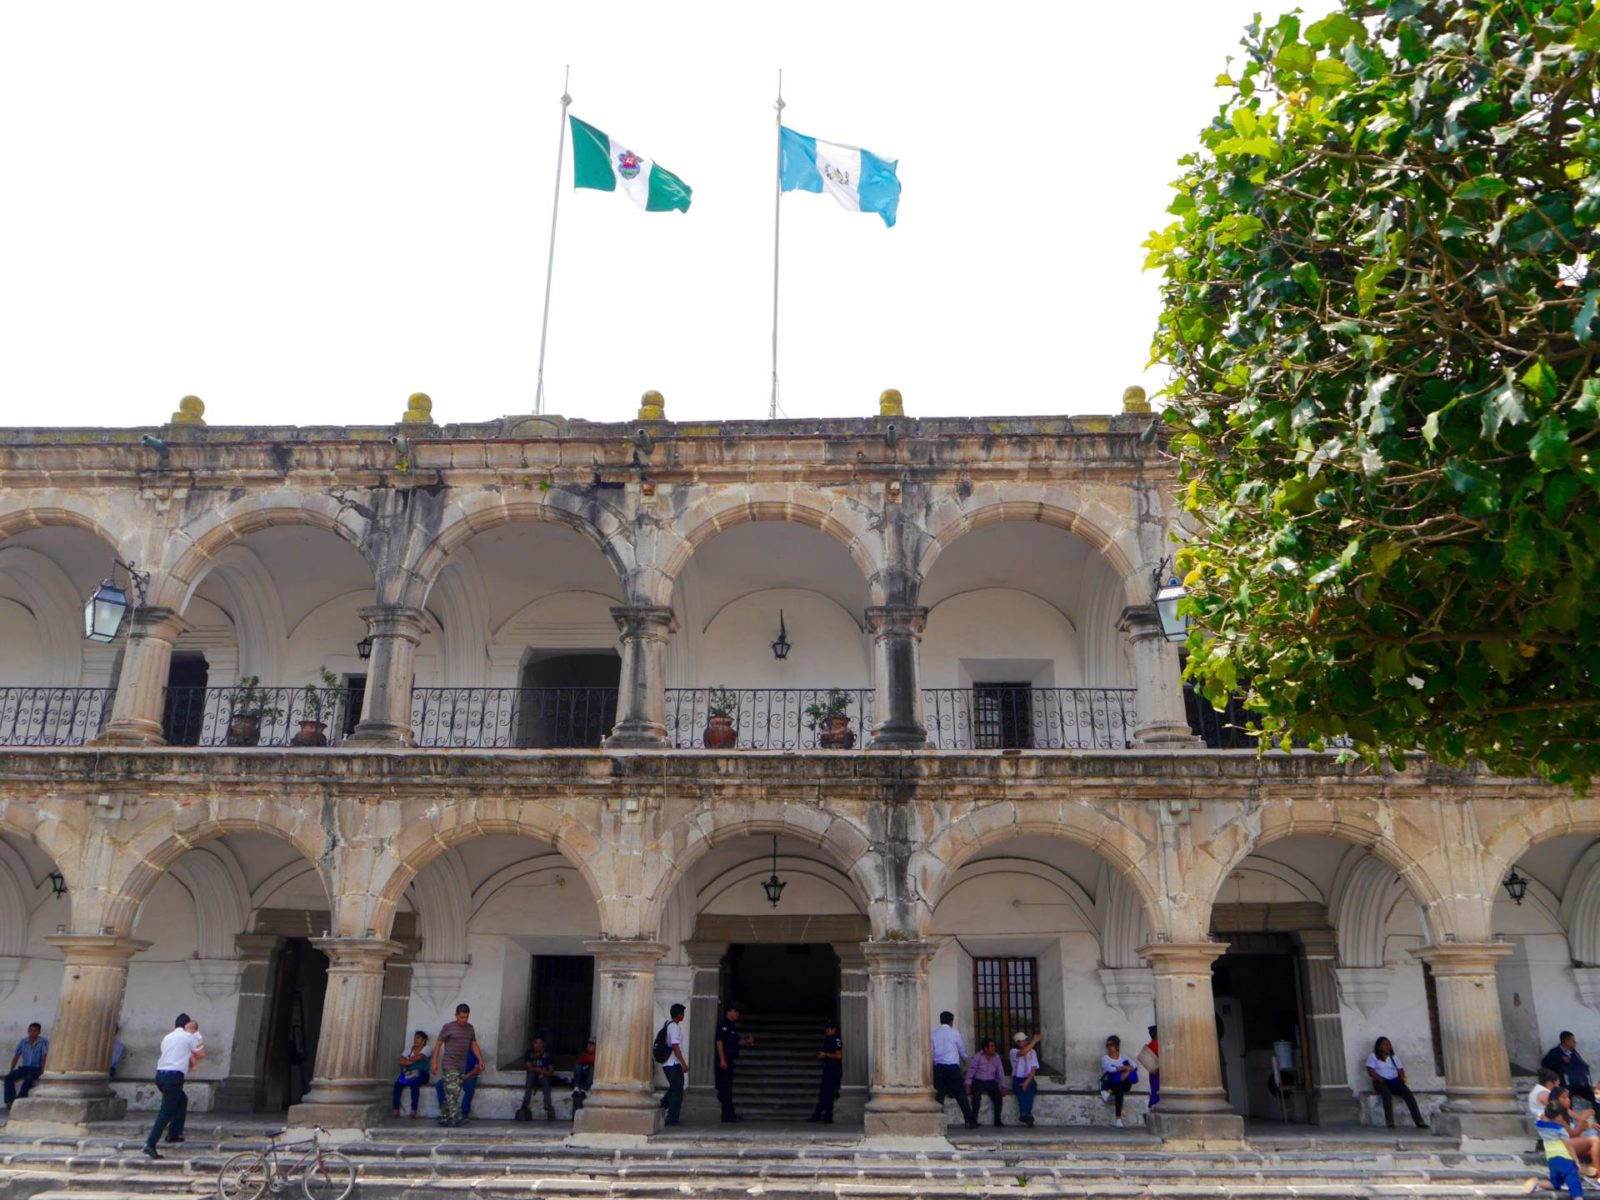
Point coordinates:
[[550, 267], [777, 214]]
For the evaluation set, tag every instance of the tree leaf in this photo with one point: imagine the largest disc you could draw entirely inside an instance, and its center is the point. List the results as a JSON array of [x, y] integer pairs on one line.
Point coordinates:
[[1503, 406], [1331, 72], [1583, 323], [1549, 447], [1541, 380], [1484, 187]]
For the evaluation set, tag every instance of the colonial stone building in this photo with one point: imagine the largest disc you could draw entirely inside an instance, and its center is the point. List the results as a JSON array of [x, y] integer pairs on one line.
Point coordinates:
[[514, 637]]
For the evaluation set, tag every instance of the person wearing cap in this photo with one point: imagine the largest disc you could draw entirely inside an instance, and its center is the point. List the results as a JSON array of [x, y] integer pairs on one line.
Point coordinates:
[[181, 1050], [831, 1056], [1024, 1072]]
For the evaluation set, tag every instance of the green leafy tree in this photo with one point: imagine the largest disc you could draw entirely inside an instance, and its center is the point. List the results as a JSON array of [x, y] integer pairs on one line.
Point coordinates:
[[1382, 321]]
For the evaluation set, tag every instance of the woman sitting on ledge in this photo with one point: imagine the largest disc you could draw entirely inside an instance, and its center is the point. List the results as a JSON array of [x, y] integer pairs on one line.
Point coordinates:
[[1389, 1080]]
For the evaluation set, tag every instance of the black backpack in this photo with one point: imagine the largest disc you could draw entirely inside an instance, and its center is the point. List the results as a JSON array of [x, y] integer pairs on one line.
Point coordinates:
[[661, 1052]]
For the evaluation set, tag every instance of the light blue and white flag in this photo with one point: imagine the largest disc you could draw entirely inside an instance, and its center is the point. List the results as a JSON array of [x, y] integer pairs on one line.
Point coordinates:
[[858, 179]]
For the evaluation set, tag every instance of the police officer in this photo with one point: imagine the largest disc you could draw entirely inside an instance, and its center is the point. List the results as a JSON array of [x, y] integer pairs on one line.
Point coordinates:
[[832, 1058], [728, 1043]]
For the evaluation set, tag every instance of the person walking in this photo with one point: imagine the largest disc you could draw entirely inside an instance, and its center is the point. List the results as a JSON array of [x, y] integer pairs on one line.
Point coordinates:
[[450, 1049], [985, 1074], [831, 1056], [669, 1053], [1117, 1076], [948, 1052], [27, 1064], [1025, 1073], [729, 1042], [1566, 1062], [413, 1072], [541, 1071], [1389, 1080], [469, 1087], [181, 1051]]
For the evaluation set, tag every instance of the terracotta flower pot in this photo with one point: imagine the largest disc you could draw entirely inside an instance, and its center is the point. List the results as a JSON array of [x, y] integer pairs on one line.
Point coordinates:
[[312, 733], [719, 733], [244, 729], [836, 733]]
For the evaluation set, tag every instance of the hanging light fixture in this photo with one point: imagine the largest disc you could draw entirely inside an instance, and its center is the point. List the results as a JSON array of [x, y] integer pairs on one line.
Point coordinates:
[[58, 884], [108, 606], [1165, 597], [781, 647], [774, 886], [364, 648], [1516, 887]]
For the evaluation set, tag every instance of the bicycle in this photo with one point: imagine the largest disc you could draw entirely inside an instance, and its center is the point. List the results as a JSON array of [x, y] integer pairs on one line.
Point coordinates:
[[322, 1174]]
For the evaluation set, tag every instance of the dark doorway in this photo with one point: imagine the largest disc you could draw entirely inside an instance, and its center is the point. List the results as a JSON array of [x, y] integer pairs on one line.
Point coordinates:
[[567, 700], [786, 993], [560, 1004], [183, 710], [1002, 716], [774, 979], [1257, 987], [294, 1020], [356, 696]]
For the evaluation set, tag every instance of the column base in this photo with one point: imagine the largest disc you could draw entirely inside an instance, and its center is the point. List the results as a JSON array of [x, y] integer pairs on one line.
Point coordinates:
[[899, 737], [130, 733], [1483, 1131], [636, 736], [1202, 1128], [34, 1116], [1168, 737], [380, 733], [913, 1114], [339, 1118], [593, 1120]]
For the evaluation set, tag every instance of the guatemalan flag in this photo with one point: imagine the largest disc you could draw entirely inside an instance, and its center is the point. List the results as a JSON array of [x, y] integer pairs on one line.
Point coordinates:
[[858, 179]]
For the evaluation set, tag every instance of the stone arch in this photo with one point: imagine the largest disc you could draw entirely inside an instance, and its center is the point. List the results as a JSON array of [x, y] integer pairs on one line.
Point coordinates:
[[1125, 849], [442, 898], [1363, 894], [59, 513], [48, 594], [64, 847], [1121, 918], [695, 835], [484, 510], [1076, 898], [416, 844], [832, 514], [15, 910], [1580, 910], [193, 548], [1528, 825], [141, 863], [1119, 550], [221, 900]]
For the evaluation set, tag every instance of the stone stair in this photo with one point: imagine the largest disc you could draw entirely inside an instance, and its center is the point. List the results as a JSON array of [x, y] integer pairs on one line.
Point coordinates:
[[777, 1077], [495, 1162]]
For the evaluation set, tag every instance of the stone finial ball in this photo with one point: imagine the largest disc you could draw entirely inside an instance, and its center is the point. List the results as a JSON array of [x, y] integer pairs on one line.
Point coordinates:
[[891, 403], [1134, 400], [419, 409], [652, 406], [191, 411]]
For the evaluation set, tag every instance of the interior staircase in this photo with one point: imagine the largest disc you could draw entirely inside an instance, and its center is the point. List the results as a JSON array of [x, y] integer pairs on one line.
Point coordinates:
[[777, 1078]]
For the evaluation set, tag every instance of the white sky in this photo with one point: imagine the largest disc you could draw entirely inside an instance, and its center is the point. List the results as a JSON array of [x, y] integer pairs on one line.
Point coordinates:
[[302, 212]]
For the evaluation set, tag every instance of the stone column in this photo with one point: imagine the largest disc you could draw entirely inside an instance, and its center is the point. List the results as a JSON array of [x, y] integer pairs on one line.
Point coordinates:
[[700, 1026], [642, 687], [1333, 1101], [141, 687], [624, 1097], [853, 988], [396, 630], [1158, 698], [344, 1092], [1193, 1107], [240, 1091], [897, 704], [902, 1103], [76, 1085], [1479, 1101]]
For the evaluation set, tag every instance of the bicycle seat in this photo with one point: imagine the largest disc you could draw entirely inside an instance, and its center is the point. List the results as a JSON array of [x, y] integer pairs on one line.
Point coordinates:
[[274, 1134]]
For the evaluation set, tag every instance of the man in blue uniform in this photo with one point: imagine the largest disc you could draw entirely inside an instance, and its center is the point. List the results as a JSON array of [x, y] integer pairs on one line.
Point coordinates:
[[832, 1058], [728, 1044]]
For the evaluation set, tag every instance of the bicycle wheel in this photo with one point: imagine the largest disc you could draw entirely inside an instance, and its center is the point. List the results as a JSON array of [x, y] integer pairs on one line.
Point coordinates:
[[243, 1177], [329, 1175]]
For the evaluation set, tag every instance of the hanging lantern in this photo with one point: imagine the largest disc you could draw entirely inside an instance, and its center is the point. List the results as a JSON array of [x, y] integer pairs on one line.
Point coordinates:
[[781, 647], [104, 613], [774, 886], [1516, 887]]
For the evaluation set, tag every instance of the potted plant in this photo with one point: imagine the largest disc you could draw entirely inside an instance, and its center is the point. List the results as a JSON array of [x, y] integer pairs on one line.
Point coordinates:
[[829, 719], [248, 706], [721, 707], [313, 729]]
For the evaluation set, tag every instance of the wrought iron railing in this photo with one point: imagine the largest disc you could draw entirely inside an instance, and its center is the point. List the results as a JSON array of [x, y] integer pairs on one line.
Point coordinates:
[[772, 718], [261, 716], [1029, 718], [52, 716], [1227, 728], [543, 718]]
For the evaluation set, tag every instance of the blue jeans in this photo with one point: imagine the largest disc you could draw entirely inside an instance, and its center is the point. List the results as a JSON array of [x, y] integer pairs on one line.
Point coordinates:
[[673, 1101], [414, 1084], [1025, 1093], [1564, 1173], [24, 1076]]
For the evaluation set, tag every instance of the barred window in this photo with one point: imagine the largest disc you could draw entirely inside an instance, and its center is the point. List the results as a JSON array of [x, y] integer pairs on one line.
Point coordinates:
[[1005, 999]]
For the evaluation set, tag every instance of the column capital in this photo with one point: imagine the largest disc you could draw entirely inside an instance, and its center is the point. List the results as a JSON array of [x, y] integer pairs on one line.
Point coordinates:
[[1139, 622], [705, 955], [645, 620], [1463, 958], [1319, 943], [897, 956], [896, 620], [108, 949], [395, 620], [625, 954], [1182, 958], [255, 947], [155, 621], [358, 955]]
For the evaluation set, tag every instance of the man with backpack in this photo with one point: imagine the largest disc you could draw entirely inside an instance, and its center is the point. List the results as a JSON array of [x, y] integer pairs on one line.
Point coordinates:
[[668, 1051]]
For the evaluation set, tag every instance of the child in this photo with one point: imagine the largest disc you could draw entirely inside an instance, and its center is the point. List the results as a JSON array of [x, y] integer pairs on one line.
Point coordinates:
[[1582, 1137], [1558, 1154]]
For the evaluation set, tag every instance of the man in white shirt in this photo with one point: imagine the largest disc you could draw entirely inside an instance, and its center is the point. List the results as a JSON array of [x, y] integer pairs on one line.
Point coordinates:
[[948, 1052], [180, 1051], [676, 1066]]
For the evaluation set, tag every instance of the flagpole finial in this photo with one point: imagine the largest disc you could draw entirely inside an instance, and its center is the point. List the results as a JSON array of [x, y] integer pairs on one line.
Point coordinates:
[[566, 81]]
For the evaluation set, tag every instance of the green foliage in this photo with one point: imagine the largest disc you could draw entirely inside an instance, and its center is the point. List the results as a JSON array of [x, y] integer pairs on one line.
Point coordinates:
[[722, 701], [835, 703], [249, 699], [319, 695], [1382, 323]]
